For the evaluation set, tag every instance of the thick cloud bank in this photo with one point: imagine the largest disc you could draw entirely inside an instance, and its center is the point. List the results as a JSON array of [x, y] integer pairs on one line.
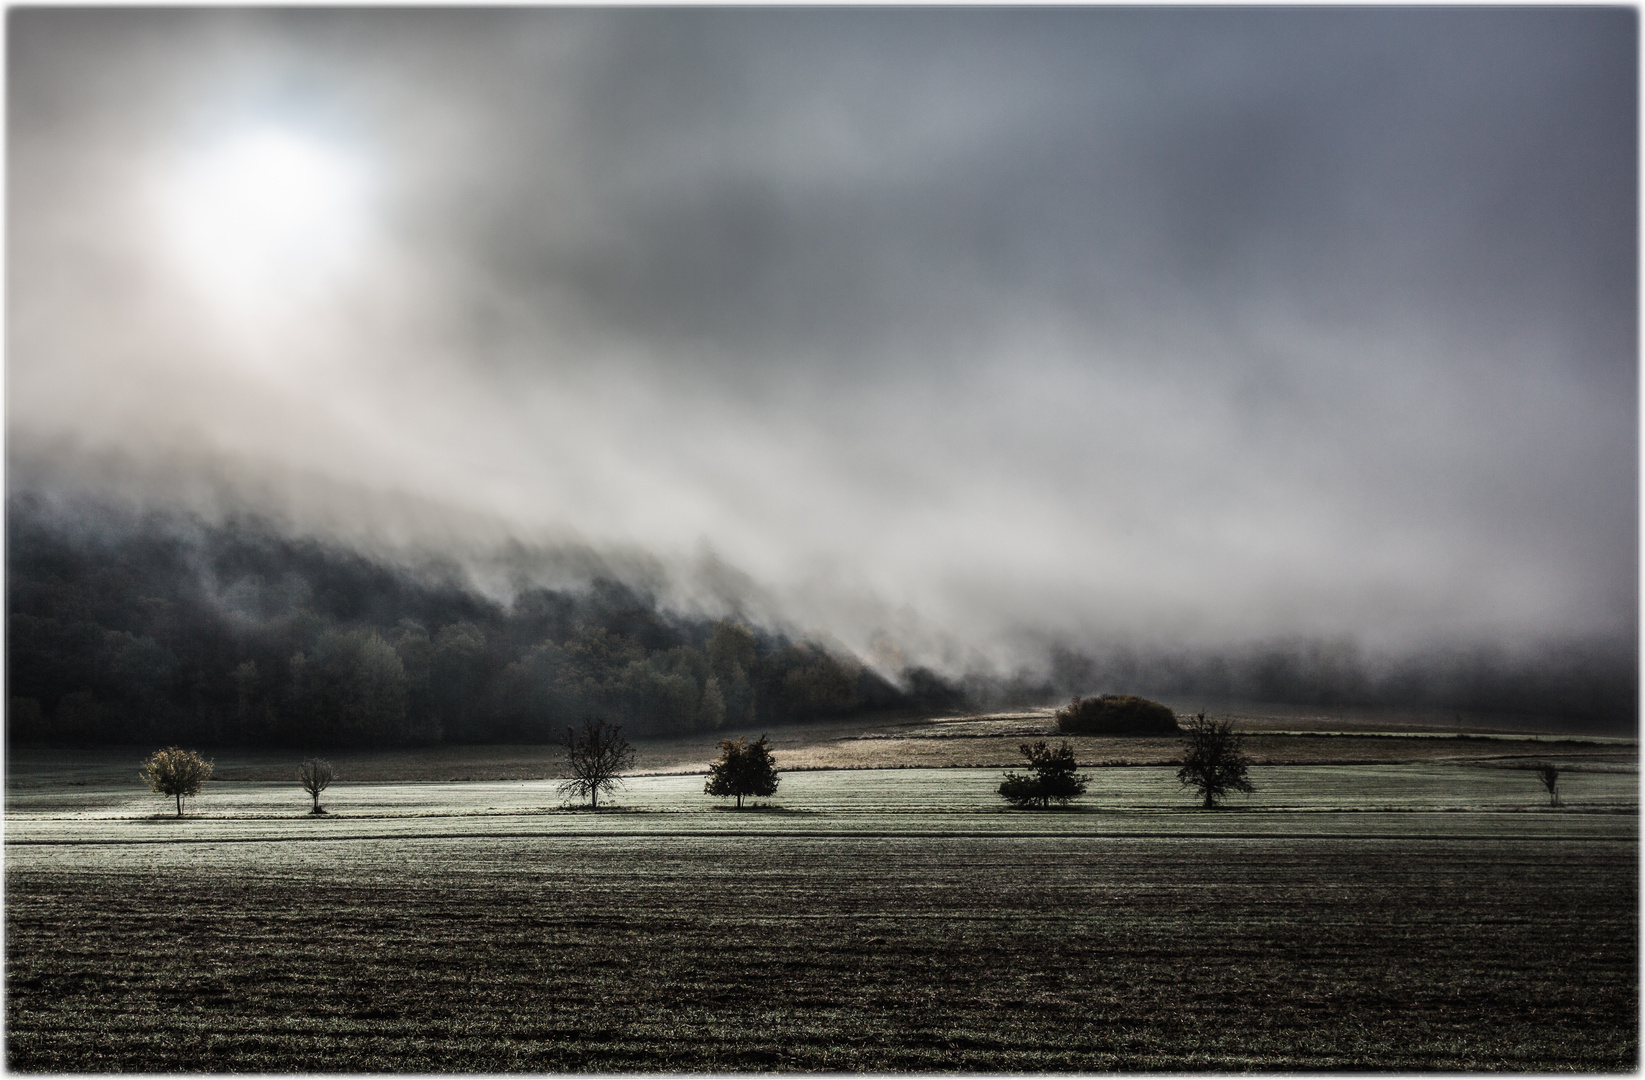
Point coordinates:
[[960, 333]]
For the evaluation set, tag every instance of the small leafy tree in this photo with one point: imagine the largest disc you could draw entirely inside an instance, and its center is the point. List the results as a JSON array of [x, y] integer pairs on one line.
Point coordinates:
[[1214, 763], [742, 768], [1053, 777], [595, 759], [316, 775], [175, 772], [1549, 775]]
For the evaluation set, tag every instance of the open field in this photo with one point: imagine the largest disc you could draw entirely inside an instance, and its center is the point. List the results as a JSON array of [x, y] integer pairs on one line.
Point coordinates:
[[1428, 916], [1274, 736], [130, 812]]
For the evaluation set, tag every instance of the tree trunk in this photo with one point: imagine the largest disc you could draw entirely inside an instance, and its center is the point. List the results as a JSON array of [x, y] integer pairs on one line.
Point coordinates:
[[316, 809], [594, 798], [179, 804], [739, 802], [1210, 800]]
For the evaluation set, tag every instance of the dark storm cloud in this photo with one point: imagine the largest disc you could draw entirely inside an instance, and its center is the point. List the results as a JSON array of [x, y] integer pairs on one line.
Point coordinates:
[[977, 327]]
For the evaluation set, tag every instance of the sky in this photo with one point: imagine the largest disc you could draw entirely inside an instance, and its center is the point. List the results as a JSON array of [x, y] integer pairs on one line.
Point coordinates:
[[953, 332]]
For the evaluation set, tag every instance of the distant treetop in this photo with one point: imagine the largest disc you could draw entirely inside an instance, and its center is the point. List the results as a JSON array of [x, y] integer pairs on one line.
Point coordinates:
[[1116, 714]]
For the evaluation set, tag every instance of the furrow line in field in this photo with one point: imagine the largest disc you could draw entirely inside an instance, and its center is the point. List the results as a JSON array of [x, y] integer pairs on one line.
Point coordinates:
[[652, 834]]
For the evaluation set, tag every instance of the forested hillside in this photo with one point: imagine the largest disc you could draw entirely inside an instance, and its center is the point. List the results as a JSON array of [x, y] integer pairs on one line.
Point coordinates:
[[156, 628], [126, 630]]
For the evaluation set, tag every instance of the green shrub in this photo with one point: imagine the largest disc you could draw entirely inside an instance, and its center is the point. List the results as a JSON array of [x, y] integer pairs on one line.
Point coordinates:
[[1116, 714]]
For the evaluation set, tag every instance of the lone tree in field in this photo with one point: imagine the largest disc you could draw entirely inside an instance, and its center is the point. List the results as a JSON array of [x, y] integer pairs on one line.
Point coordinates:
[[742, 769], [1549, 775], [316, 775], [1053, 777], [594, 760], [175, 772], [1213, 764]]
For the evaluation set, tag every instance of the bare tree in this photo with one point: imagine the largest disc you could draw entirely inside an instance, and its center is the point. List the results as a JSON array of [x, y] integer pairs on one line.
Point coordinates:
[[316, 774], [175, 772], [1549, 775], [595, 759], [1213, 762]]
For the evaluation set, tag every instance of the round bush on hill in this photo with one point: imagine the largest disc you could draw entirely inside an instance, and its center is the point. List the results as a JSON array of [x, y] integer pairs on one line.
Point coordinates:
[[1116, 714]]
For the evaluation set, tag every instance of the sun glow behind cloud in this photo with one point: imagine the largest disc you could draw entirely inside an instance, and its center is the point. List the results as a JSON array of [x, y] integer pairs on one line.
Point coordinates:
[[266, 217]]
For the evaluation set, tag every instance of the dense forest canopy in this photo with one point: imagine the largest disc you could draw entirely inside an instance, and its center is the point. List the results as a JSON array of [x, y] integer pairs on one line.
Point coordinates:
[[161, 627], [164, 628]]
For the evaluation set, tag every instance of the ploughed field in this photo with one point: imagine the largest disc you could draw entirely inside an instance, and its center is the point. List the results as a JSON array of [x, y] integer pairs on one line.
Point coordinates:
[[1389, 917]]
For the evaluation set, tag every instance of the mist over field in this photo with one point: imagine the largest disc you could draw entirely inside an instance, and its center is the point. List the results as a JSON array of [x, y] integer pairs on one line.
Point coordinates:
[[1253, 352]]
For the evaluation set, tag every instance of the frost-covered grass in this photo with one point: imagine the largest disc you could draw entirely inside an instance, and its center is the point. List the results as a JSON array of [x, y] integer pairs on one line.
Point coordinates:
[[1279, 788], [615, 948], [1389, 917]]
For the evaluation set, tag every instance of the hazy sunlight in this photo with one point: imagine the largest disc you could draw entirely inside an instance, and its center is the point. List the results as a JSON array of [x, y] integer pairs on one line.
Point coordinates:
[[266, 216]]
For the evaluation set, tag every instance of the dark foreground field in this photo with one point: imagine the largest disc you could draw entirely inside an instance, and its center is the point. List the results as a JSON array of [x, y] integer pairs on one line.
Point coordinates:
[[876, 942]]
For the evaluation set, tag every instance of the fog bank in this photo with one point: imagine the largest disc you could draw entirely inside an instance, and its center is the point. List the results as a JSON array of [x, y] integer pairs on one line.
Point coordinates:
[[960, 336]]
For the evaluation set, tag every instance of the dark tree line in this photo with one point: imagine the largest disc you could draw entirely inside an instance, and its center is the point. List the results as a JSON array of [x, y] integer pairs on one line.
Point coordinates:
[[163, 629], [1588, 685]]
